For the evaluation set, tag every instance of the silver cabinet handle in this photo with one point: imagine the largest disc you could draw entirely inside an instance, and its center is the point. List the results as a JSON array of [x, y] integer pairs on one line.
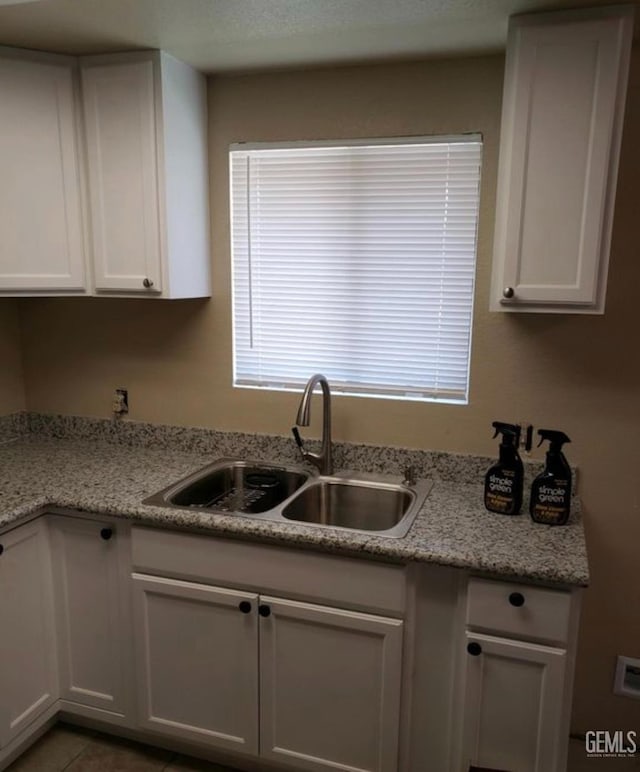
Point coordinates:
[[147, 283], [508, 292]]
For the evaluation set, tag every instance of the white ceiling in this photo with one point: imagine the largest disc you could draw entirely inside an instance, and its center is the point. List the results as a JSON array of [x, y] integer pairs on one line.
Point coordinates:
[[223, 35]]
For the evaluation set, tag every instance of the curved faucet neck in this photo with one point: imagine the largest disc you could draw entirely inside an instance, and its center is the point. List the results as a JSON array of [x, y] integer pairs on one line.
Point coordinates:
[[323, 460]]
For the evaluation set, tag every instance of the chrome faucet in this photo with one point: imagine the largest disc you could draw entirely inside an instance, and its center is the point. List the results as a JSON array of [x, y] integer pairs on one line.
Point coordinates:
[[323, 459]]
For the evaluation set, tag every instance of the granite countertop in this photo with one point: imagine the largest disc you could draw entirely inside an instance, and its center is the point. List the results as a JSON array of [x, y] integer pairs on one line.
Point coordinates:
[[452, 528]]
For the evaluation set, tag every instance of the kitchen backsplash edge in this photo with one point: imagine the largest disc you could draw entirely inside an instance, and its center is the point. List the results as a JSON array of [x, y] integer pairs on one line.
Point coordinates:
[[436, 465]]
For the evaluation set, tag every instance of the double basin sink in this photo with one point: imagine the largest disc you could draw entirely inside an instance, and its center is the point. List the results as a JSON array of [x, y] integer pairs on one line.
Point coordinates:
[[250, 489]]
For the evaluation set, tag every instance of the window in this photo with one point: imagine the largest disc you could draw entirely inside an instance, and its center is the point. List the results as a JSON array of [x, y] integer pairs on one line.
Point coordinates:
[[356, 260]]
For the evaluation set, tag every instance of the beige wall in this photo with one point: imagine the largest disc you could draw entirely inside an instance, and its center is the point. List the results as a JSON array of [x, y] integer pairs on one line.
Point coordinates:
[[580, 374], [11, 382]]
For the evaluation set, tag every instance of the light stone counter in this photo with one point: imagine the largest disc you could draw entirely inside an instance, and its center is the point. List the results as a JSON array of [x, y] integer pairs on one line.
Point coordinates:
[[97, 466]]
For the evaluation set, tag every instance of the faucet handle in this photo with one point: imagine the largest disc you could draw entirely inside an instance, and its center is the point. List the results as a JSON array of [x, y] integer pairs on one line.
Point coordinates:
[[410, 477]]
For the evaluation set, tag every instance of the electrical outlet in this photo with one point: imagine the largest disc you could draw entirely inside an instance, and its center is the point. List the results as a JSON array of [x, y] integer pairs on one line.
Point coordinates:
[[120, 402], [627, 680]]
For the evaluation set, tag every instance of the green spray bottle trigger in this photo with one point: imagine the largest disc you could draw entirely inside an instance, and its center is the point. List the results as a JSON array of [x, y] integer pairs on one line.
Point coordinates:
[[507, 430], [556, 438]]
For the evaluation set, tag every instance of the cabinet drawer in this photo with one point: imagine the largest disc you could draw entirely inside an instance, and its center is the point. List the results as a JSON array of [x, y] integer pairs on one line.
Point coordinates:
[[518, 610], [363, 584]]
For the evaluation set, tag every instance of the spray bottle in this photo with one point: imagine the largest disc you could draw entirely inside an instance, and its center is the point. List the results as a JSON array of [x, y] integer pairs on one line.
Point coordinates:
[[551, 490], [503, 481]]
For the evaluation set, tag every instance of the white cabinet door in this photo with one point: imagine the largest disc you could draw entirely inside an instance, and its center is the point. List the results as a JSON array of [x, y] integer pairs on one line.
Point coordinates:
[[329, 687], [513, 705], [197, 662], [146, 133], [120, 117], [563, 106], [28, 683], [42, 245], [89, 619]]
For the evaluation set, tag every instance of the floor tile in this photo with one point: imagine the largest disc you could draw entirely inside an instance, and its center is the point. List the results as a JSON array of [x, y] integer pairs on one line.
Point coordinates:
[[106, 754], [54, 751], [189, 764]]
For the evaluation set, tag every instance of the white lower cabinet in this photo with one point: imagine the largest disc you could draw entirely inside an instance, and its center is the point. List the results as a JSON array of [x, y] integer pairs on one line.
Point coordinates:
[[28, 681], [197, 662], [320, 686], [516, 672], [259, 654], [329, 687], [89, 613], [512, 705]]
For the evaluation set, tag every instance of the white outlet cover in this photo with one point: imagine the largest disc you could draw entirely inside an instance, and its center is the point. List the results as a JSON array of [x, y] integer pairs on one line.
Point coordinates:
[[627, 680]]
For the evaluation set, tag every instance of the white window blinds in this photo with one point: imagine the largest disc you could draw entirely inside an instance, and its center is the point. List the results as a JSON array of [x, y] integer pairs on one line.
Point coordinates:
[[357, 261]]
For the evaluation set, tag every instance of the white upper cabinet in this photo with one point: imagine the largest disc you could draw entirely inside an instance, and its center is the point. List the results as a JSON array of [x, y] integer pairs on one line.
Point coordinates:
[[146, 134], [42, 246], [563, 107], [117, 204]]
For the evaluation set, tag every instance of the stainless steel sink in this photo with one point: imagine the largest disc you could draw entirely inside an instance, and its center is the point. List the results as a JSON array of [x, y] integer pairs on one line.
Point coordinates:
[[362, 505], [349, 505], [357, 502], [233, 486]]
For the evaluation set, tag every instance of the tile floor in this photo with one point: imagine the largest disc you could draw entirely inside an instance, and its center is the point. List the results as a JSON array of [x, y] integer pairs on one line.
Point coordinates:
[[78, 750]]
